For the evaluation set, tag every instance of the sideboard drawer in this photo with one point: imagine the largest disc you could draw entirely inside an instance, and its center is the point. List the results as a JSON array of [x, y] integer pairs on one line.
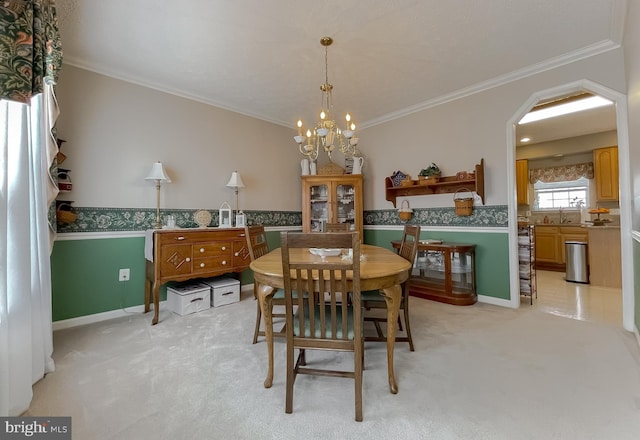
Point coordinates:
[[216, 263], [210, 249]]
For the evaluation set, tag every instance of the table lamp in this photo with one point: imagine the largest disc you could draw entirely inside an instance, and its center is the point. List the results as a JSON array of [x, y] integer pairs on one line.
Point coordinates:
[[158, 174], [235, 182]]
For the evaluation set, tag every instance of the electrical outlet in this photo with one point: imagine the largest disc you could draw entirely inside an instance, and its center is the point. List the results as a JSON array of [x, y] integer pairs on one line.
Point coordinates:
[[124, 275]]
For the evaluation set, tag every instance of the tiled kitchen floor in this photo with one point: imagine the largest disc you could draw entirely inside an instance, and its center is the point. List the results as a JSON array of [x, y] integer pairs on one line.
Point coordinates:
[[578, 301]]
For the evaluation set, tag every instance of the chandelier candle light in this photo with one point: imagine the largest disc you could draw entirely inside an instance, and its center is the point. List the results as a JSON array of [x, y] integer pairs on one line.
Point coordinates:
[[326, 133], [159, 175]]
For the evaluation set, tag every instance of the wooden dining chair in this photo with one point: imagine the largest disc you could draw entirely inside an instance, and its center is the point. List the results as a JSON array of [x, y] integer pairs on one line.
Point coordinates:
[[373, 299], [257, 244], [337, 227], [323, 322]]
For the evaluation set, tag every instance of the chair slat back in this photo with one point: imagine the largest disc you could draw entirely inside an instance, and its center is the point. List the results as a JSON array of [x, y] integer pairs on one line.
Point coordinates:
[[256, 241], [326, 282], [410, 241]]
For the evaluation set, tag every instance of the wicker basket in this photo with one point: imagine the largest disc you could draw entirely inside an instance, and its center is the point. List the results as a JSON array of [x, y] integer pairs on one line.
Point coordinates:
[[407, 181], [464, 205], [428, 180], [64, 216], [405, 213], [331, 169]]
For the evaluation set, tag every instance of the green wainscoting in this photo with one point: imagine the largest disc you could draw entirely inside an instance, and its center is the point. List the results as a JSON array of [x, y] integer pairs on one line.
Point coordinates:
[[492, 255], [84, 275], [84, 272]]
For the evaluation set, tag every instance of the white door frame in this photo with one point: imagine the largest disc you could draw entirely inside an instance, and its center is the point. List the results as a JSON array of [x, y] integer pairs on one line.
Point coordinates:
[[620, 101]]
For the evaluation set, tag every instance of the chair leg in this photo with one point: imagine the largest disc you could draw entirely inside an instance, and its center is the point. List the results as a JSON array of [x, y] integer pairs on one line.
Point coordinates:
[[358, 355], [288, 408], [303, 357], [258, 319], [405, 304]]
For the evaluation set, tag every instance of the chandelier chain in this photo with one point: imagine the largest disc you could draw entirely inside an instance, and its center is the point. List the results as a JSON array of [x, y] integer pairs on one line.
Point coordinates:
[[326, 134]]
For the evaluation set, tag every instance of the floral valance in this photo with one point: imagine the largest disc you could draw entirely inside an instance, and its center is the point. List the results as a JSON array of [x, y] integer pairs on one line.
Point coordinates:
[[561, 173], [30, 48]]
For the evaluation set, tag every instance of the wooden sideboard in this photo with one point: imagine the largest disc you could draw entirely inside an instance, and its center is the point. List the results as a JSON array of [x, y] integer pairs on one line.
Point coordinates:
[[184, 254]]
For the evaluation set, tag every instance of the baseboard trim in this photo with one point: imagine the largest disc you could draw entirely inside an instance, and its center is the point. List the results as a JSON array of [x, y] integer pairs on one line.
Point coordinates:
[[99, 317], [496, 301], [113, 314]]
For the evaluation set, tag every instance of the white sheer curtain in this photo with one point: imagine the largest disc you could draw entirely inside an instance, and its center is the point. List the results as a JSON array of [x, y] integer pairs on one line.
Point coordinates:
[[26, 191]]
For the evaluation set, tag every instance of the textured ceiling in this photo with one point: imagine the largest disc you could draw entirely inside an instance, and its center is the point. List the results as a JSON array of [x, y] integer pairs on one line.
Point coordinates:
[[390, 57]]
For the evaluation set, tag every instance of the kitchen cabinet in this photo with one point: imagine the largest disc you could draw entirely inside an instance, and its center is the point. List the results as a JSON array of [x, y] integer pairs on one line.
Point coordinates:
[[550, 244], [184, 254], [522, 181], [605, 163], [605, 258], [547, 248], [571, 233], [332, 199]]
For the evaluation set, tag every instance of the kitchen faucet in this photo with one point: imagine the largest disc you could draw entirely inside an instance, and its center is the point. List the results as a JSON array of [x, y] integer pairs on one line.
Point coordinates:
[[563, 218]]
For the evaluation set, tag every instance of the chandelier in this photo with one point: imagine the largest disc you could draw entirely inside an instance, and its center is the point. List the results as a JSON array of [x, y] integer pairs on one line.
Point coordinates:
[[326, 134]]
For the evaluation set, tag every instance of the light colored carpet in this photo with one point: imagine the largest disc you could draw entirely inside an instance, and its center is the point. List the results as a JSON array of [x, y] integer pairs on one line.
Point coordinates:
[[478, 372]]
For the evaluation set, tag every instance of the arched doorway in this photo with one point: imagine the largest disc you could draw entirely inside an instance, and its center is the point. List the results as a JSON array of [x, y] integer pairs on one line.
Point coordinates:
[[625, 195]]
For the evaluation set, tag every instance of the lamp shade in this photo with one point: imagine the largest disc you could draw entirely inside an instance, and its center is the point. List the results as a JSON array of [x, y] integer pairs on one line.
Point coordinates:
[[235, 181], [158, 173]]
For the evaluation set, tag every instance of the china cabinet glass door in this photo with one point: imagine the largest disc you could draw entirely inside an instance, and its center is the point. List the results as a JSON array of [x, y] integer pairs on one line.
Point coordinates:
[[345, 201], [319, 198], [331, 199]]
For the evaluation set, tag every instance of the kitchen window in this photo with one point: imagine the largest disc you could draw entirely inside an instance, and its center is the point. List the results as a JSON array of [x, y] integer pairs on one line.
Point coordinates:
[[563, 194]]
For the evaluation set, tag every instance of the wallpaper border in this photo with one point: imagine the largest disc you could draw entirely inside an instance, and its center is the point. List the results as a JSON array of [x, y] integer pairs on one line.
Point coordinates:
[[91, 219]]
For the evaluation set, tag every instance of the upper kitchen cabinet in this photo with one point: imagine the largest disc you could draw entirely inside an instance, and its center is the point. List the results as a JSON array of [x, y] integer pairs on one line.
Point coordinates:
[[522, 181], [605, 162]]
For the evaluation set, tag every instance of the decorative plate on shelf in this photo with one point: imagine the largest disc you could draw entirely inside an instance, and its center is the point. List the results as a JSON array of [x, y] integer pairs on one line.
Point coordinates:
[[202, 218]]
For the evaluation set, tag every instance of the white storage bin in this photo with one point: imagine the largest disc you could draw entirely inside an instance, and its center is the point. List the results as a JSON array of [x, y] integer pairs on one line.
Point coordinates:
[[188, 298], [224, 290]]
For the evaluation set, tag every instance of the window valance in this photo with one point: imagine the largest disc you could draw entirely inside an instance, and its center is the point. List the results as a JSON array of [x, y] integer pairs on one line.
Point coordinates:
[[561, 173]]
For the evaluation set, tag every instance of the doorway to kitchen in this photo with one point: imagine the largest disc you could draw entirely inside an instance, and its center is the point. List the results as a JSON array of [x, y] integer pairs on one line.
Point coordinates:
[[555, 295]]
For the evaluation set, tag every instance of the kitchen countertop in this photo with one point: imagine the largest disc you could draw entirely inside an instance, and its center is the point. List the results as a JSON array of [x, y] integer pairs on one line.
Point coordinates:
[[580, 225]]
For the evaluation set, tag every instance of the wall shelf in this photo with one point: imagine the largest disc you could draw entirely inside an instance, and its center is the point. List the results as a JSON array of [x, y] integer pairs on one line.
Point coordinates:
[[446, 185]]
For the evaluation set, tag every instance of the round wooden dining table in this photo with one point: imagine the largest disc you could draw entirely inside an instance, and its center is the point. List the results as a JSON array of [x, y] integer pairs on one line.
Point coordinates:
[[380, 269]]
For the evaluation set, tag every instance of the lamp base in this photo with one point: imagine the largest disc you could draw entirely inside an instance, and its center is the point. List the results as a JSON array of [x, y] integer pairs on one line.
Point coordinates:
[[157, 225]]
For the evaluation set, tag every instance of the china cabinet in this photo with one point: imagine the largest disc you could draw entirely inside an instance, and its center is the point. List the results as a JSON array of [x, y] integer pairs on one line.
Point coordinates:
[[331, 199], [605, 164], [444, 272]]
